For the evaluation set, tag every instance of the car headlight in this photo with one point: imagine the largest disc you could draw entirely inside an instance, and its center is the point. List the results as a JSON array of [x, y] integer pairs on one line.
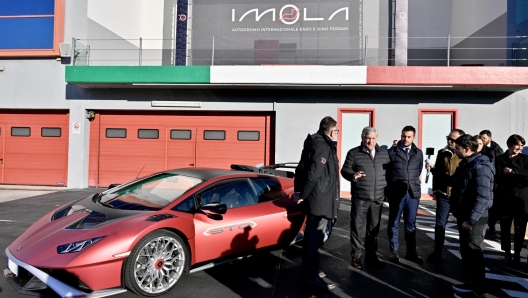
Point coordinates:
[[77, 246]]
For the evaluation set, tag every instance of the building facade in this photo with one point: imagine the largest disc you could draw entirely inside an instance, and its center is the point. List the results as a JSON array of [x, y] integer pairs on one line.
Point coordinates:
[[159, 84]]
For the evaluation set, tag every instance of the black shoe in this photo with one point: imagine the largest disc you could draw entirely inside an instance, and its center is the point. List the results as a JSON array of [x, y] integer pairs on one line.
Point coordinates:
[[469, 294], [394, 257], [435, 257], [414, 257], [462, 288], [320, 283], [374, 262], [356, 263]]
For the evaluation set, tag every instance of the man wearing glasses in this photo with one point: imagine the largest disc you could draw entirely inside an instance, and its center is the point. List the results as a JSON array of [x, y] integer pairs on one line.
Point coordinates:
[[445, 166]]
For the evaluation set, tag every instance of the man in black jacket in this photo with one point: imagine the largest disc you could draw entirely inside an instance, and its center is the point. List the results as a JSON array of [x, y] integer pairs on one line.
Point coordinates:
[[493, 150], [471, 196], [404, 192], [365, 168], [317, 180]]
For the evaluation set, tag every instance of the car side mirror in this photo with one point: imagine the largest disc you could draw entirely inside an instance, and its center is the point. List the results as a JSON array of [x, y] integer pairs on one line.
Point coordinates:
[[217, 207], [113, 185]]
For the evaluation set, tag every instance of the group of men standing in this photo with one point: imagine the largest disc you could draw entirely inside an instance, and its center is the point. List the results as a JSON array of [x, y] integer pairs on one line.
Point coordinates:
[[462, 182]]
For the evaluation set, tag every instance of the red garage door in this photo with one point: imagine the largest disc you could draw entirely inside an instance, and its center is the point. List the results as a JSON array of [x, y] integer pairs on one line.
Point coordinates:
[[124, 146], [34, 147]]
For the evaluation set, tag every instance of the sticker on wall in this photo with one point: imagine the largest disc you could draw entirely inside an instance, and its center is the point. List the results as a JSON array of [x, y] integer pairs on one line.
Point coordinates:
[[76, 128]]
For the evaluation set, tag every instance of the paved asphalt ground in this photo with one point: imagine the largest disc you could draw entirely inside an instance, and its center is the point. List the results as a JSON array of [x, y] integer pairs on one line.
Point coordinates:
[[276, 273]]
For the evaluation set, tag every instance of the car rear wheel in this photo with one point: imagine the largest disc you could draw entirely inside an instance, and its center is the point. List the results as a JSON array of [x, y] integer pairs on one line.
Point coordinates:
[[156, 263]]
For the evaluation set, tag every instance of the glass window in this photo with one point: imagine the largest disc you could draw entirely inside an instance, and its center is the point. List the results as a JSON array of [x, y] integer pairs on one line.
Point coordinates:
[[178, 134], [50, 132], [151, 193], [236, 194], [214, 134], [20, 131], [267, 189], [116, 133], [26, 33], [187, 206], [148, 134], [27, 7], [248, 135]]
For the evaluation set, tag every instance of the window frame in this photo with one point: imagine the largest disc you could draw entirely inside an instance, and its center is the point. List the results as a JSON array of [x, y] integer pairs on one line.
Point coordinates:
[[59, 128], [421, 112], [206, 130], [157, 138], [106, 133], [189, 130], [238, 135], [21, 127], [58, 36], [220, 184]]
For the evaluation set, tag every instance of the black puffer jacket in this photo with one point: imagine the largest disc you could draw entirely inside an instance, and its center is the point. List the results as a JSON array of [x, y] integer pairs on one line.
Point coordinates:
[[493, 151], [404, 173], [317, 176], [472, 192], [372, 186], [512, 189]]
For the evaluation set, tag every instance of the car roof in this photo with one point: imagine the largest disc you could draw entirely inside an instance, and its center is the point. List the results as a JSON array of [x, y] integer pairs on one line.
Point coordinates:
[[208, 173]]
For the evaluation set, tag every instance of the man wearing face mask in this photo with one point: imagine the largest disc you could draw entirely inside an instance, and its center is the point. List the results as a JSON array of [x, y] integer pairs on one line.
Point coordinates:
[[317, 181], [445, 166], [365, 168]]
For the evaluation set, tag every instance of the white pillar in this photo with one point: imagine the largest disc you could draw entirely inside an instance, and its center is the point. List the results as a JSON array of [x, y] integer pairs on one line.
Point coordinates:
[[79, 146]]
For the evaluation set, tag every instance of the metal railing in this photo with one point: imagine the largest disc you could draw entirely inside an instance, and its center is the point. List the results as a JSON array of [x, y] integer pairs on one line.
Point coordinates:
[[421, 51]]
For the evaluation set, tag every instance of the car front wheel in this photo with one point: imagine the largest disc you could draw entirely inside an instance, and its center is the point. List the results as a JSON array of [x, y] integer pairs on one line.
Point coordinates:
[[156, 263]]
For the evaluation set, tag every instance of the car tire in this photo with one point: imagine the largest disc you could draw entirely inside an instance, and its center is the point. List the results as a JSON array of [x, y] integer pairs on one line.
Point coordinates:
[[156, 264]]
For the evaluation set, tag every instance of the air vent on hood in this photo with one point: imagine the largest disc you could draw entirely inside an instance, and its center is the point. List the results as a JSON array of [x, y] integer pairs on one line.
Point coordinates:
[[93, 219], [160, 217]]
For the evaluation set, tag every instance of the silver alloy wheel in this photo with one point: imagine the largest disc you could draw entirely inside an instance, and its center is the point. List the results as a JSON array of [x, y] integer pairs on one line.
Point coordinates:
[[159, 264]]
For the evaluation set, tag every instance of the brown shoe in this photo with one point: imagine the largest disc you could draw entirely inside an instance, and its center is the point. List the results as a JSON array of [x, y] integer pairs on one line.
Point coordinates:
[[356, 263]]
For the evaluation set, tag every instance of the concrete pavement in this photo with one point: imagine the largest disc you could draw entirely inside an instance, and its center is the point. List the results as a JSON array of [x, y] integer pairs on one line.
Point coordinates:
[[276, 273]]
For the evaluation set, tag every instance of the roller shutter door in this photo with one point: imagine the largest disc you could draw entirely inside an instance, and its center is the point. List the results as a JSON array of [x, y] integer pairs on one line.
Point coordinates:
[[124, 146], [34, 147]]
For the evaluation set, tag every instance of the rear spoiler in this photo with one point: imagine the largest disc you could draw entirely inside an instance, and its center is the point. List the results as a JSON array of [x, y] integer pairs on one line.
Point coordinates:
[[270, 170]]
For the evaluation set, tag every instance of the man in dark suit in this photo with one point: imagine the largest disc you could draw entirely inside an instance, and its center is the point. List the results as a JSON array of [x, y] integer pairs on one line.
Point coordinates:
[[404, 191]]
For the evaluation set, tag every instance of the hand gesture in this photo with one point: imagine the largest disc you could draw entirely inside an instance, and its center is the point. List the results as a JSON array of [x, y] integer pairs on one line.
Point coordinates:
[[359, 174], [507, 170]]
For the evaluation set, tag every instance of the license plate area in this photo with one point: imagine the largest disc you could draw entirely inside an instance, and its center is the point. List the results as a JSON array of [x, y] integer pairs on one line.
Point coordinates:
[[13, 267]]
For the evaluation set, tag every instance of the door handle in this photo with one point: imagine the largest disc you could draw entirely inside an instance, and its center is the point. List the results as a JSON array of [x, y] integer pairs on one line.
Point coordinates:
[[191, 164]]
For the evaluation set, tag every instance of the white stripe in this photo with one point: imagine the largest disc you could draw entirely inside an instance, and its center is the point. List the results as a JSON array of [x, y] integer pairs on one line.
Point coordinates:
[[522, 281], [515, 294], [7, 220]]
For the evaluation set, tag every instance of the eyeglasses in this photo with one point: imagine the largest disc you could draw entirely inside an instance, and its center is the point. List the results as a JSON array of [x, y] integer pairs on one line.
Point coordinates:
[[336, 130], [450, 139]]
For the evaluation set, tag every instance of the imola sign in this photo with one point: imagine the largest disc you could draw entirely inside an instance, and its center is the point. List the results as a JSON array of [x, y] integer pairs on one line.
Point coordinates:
[[289, 14]]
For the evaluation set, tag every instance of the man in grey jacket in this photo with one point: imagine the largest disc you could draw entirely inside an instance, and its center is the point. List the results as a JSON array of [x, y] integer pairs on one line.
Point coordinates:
[[365, 168]]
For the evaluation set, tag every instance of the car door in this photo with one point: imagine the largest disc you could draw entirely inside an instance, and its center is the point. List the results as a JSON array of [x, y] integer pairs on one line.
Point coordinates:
[[238, 230], [286, 216]]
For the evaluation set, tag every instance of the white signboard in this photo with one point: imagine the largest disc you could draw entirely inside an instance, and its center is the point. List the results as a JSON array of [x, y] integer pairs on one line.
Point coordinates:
[[76, 128]]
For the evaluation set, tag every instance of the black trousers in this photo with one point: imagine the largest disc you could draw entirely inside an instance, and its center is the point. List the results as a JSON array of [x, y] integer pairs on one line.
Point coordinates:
[[472, 256], [313, 240], [365, 219], [519, 220]]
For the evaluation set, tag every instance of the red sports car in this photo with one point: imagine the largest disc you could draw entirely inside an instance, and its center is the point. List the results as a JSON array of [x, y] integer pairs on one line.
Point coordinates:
[[143, 235]]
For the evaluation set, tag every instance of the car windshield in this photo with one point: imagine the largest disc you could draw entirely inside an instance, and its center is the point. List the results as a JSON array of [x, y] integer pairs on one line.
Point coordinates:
[[152, 193]]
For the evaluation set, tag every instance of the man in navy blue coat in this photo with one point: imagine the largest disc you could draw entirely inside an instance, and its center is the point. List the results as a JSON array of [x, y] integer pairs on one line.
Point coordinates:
[[404, 191]]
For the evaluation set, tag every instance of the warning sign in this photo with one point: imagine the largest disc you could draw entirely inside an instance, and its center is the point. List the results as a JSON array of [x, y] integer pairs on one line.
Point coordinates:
[[76, 128]]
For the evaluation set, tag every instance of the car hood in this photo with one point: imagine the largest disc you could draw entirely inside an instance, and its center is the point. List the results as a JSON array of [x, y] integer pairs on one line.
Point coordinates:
[[77, 221]]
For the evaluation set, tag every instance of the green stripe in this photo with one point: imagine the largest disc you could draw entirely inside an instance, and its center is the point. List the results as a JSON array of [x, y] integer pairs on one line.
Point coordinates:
[[138, 74]]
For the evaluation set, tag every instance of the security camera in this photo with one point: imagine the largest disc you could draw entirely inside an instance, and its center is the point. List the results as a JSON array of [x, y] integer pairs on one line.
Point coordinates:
[[90, 115]]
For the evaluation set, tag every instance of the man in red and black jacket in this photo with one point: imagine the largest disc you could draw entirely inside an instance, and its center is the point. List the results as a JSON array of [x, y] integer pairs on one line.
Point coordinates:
[[317, 180]]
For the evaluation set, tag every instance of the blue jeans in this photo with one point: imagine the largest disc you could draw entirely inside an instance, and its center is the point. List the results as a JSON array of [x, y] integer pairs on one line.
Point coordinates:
[[408, 206], [442, 216]]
